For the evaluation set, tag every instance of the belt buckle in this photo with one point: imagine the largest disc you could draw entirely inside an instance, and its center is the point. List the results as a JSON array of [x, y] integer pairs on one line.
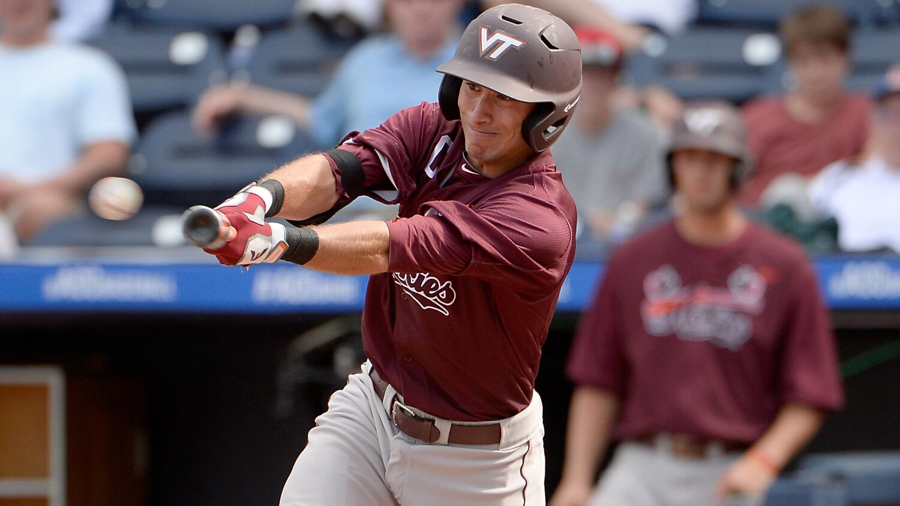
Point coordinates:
[[426, 435], [408, 412], [686, 447]]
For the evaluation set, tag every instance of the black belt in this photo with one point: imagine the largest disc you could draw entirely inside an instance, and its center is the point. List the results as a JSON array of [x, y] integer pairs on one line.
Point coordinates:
[[424, 429]]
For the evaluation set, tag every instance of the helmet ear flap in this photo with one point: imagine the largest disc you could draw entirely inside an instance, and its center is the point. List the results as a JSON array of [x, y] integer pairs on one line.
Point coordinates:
[[536, 128], [448, 96], [541, 128]]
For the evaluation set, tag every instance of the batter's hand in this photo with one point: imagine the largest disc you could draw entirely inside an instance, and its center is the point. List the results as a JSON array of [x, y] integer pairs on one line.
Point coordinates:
[[571, 494], [256, 241], [253, 199], [746, 477]]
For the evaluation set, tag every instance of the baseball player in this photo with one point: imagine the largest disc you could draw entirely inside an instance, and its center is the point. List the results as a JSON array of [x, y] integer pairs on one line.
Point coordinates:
[[463, 283], [707, 352]]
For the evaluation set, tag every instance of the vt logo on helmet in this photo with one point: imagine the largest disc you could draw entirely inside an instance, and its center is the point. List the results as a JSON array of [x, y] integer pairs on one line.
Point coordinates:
[[505, 40], [524, 53]]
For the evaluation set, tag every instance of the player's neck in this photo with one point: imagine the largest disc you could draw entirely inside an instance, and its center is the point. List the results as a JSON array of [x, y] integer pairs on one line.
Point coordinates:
[[715, 228]]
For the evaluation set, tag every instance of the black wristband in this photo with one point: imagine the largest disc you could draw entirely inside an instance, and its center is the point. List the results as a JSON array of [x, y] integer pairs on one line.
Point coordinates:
[[353, 177], [277, 191], [303, 243]]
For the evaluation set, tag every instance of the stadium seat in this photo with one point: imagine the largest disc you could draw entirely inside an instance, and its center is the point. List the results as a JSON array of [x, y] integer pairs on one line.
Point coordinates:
[[152, 226], [300, 60], [874, 51], [215, 15], [731, 64], [176, 166], [770, 12], [164, 69], [870, 477], [806, 491]]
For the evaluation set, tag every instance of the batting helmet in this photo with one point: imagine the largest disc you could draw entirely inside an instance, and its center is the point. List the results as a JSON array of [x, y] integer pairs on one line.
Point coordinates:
[[526, 54], [714, 126]]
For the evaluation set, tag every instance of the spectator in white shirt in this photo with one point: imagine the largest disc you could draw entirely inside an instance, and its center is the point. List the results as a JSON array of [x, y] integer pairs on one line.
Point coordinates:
[[863, 194], [65, 119]]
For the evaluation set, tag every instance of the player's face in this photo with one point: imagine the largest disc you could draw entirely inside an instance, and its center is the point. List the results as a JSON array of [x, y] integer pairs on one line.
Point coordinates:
[[886, 129], [820, 70], [703, 178], [24, 18], [492, 124]]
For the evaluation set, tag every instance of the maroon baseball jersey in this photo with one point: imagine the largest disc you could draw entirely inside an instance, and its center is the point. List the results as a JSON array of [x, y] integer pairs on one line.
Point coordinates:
[[476, 266], [709, 341]]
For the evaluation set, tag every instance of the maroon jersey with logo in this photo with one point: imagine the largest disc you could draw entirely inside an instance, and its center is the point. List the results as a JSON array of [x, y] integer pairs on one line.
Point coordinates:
[[476, 266], [709, 341]]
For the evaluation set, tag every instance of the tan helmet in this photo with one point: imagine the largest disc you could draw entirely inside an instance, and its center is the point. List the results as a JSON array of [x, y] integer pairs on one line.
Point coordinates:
[[715, 126], [526, 54]]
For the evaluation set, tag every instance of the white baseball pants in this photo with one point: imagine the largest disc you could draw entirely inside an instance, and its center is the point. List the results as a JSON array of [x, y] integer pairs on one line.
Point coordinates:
[[644, 475], [355, 456]]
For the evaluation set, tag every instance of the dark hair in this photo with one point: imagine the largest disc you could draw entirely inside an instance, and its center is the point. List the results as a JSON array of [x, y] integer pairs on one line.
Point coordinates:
[[815, 24]]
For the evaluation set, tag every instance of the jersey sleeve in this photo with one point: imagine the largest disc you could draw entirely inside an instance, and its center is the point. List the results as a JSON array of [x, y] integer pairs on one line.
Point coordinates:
[[518, 241], [809, 373], [596, 357], [390, 153]]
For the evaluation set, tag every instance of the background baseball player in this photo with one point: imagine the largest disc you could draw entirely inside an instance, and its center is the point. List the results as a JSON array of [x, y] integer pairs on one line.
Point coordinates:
[[707, 352], [464, 283]]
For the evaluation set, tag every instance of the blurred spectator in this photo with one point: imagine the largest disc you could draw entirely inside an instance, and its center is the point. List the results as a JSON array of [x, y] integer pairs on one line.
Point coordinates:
[[65, 119], [380, 76], [610, 158], [707, 353], [864, 194], [818, 122]]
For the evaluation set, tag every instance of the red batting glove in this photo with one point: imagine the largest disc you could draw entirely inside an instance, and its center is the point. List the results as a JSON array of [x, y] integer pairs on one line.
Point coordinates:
[[252, 199], [255, 242]]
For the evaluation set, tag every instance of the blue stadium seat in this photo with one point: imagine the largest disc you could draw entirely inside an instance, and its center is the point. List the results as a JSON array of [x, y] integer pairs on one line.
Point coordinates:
[[216, 15], [144, 229], [176, 166], [874, 51], [770, 12], [164, 69], [704, 62], [300, 60], [804, 491], [870, 477]]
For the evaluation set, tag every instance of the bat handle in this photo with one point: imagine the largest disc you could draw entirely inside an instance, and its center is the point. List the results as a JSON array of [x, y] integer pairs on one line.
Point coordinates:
[[206, 228]]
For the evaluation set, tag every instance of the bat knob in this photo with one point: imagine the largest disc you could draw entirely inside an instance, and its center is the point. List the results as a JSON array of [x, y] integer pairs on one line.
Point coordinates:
[[206, 228]]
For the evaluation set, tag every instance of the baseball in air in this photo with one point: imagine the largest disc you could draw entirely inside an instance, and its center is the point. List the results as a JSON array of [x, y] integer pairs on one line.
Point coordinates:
[[115, 198]]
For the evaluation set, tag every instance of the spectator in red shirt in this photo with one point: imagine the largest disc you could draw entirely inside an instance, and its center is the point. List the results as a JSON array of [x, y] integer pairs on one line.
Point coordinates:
[[707, 352], [816, 123]]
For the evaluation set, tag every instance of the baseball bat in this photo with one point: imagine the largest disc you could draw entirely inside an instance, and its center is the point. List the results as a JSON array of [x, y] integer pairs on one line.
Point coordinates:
[[206, 228]]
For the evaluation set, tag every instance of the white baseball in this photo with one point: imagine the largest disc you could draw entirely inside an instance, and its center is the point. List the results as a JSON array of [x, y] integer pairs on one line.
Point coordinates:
[[115, 198]]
